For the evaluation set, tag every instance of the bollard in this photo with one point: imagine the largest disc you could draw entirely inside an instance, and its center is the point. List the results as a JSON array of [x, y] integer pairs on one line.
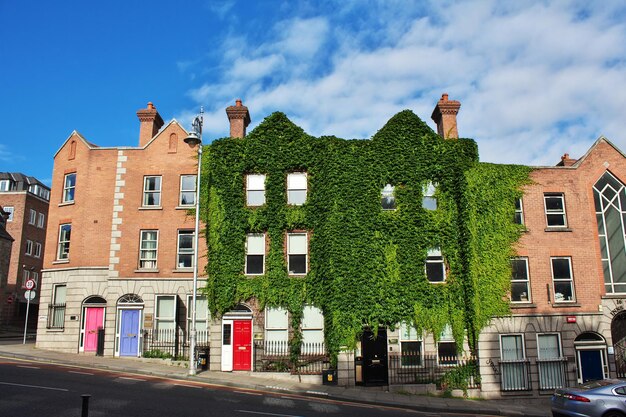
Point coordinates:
[[85, 412]]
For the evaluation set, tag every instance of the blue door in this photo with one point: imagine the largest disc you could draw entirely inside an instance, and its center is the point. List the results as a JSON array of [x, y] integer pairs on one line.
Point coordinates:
[[591, 365], [129, 332]]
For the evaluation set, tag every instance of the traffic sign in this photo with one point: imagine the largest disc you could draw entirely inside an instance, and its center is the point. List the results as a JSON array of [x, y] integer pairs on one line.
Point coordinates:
[[30, 295], [29, 284]]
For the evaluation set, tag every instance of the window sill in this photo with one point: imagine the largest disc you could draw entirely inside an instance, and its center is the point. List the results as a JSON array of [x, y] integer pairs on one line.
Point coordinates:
[[297, 275], [66, 203], [182, 270], [515, 305], [612, 296], [185, 207], [557, 229], [150, 208], [147, 271], [55, 330], [61, 261], [565, 304]]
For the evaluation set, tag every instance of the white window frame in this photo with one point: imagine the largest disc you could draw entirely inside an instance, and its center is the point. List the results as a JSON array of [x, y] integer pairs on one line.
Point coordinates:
[[9, 210], [166, 318], [446, 337], [292, 178], [519, 364], [290, 253], [428, 196], [255, 178], [248, 253], [561, 280], [519, 211], [25, 277], [69, 187], [56, 318], [5, 185], [143, 260], [521, 281], [310, 331], [555, 212], [154, 193], [33, 217], [388, 198], [185, 251], [41, 220], [408, 334], [29, 247], [37, 252], [202, 321], [63, 245], [435, 256], [550, 369], [187, 191], [278, 342]]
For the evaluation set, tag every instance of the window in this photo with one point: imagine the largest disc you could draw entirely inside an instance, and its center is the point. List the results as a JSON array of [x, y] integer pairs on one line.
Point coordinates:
[[297, 253], [185, 248], [41, 220], [555, 210], [520, 290], [388, 198], [610, 202], [255, 190], [33, 217], [5, 185], [26, 275], [410, 346], [29, 247], [296, 188], [152, 191], [276, 331], [519, 212], [202, 318], [312, 331], [550, 362], [447, 353], [435, 267], [56, 310], [187, 190], [562, 279], [69, 185], [429, 202], [37, 253], [255, 254], [513, 365], [63, 250], [165, 317], [9, 210], [148, 249]]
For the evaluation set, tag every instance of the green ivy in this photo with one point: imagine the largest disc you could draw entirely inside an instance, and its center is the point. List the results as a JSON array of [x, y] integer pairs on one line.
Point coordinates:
[[366, 264]]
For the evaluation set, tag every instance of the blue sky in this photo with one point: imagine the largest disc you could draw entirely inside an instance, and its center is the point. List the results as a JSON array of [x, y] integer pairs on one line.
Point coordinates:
[[535, 79]]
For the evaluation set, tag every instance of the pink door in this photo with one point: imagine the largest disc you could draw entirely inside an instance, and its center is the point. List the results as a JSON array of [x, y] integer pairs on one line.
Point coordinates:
[[93, 320]]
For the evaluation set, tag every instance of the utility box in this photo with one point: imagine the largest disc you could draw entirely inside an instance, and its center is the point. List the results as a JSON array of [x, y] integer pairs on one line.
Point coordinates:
[[358, 370], [329, 377], [203, 359]]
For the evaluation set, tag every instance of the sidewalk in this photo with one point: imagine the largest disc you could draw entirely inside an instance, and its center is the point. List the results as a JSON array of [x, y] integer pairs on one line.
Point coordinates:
[[269, 382]]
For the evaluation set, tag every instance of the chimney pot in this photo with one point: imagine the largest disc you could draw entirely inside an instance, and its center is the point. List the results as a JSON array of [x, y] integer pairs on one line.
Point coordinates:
[[444, 97], [239, 119], [444, 115]]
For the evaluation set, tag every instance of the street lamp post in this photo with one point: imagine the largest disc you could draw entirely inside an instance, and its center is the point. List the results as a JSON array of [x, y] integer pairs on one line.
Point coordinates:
[[195, 139]]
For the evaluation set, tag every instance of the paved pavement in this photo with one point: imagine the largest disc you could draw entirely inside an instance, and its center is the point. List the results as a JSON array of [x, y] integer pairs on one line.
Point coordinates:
[[13, 348]]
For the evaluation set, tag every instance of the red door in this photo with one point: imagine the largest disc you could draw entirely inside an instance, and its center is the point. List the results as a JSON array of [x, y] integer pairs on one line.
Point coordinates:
[[93, 320], [242, 345]]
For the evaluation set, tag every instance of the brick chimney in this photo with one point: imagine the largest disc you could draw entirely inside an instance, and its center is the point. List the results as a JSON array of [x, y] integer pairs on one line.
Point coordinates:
[[150, 121], [239, 119], [566, 161], [445, 116]]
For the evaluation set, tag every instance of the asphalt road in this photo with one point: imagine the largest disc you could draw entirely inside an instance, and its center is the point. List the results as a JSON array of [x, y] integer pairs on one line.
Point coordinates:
[[28, 389]]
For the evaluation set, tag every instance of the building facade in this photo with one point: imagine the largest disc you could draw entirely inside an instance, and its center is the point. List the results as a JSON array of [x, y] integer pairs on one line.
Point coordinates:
[[26, 201]]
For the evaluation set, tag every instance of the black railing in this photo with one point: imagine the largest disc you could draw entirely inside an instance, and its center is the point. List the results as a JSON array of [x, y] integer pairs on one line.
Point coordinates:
[[414, 367], [515, 375], [275, 356], [171, 343], [56, 316], [552, 373]]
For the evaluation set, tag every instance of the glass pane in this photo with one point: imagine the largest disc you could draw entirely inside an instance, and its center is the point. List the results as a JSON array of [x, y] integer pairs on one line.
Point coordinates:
[[313, 337], [185, 241], [556, 220], [512, 347], [153, 184], [254, 264], [297, 264], [296, 197], [548, 346], [429, 203], [519, 269], [188, 198], [226, 336], [560, 268], [408, 333], [256, 198], [165, 307], [411, 353], [563, 291], [276, 318], [312, 318], [255, 244], [434, 271], [202, 308], [59, 294], [297, 243], [276, 340], [447, 353], [70, 180], [297, 181], [255, 182], [188, 183], [600, 221], [554, 203], [519, 291], [185, 261]]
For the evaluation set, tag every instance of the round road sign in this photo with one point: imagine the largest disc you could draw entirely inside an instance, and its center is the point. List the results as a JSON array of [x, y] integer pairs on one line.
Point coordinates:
[[29, 284], [30, 295]]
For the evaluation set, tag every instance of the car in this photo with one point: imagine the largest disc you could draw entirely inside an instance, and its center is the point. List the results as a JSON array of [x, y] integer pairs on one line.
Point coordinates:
[[601, 398]]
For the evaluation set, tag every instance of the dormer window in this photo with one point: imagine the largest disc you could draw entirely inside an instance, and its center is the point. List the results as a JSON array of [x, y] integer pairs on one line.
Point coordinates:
[[5, 185], [388, 198], [429, 202]]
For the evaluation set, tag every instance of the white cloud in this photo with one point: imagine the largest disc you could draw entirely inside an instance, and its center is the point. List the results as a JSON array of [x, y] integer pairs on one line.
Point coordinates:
[[535, 80]]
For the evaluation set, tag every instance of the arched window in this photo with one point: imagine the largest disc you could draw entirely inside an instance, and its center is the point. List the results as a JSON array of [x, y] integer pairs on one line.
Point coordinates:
[[130, 299], [610, 201]]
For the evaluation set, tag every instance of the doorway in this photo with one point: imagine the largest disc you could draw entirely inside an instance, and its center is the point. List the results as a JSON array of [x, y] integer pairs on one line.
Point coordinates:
[[591, 357], [93, 319], [237, 339], [128, 336], [374, 351]]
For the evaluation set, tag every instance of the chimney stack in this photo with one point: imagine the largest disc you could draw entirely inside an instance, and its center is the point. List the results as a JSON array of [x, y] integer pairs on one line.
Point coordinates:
[[566, 161], [445, 116], [150, 121], [239, 119]]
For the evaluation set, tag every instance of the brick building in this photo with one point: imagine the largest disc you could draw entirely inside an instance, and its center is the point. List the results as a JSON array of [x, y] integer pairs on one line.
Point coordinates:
[[26, 201], [6, 244]]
